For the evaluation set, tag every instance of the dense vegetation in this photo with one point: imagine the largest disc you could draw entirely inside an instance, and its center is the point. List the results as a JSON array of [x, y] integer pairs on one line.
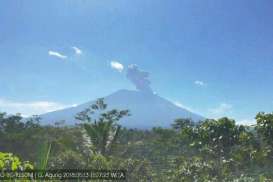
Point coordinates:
[[213, 150]]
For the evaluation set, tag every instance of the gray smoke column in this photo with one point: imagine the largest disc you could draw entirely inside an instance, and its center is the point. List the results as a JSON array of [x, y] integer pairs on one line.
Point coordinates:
[[139, 78]]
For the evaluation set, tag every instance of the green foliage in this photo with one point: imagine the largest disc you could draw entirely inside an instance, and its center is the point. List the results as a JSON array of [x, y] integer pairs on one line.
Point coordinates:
[[68, 159], [220, 135], [192, 170], [44, 156], [137, 170], [10, 162], [213, 150], [104, 130], [265, 127], [15, 134], [180, 124]]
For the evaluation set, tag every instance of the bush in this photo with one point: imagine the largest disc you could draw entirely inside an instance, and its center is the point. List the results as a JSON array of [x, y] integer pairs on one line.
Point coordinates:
[[10, 162]]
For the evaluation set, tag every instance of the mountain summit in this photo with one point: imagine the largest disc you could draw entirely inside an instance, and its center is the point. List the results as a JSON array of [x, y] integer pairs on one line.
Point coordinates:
[[147, 110]]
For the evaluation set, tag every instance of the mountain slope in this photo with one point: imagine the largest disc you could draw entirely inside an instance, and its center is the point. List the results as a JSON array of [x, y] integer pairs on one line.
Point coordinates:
[[147, 110]]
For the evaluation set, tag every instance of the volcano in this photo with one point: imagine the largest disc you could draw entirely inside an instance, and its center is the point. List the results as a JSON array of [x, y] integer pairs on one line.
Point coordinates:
[[147, 110]]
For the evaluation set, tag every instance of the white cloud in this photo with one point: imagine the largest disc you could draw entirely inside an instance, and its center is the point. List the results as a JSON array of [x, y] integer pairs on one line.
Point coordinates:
[[74, 105], [221, 110], [56, 54], [178, 104], [199, 83], [117, 66], [29, 108], [77, 50], [246, 121]]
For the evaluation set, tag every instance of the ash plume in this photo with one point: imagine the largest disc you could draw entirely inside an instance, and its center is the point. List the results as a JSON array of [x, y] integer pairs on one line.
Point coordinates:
[[139, 78]]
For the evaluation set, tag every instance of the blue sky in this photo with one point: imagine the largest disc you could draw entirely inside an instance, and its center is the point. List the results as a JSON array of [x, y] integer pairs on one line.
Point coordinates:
[[213, 57]]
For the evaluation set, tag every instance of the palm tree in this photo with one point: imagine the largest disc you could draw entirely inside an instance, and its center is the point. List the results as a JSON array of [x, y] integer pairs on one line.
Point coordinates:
[[103, 130]]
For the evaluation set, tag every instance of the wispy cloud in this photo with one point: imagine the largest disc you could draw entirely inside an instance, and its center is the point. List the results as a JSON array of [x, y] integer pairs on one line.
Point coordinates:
[[246, 121], [199, 83], [77, 50], [56, 54], [117, 66], [221, 110], [179, 104], [30, 108]]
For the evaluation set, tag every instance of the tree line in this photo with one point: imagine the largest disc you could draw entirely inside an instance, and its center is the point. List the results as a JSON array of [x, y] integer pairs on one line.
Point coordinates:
[[211, 150]]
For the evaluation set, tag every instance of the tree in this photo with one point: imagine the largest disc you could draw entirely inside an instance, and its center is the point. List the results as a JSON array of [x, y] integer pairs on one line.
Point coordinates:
[[181, 123], [18, 136], [220, 135], [102, 130], [265, 127]]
